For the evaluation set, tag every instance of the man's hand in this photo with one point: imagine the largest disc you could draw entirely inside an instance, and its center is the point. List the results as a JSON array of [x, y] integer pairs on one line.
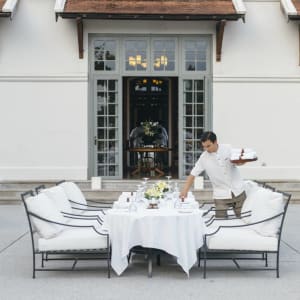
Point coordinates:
[[183, 194], [188, 184]]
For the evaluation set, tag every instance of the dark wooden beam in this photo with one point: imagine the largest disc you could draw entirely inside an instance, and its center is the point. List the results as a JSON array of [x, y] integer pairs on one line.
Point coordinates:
[[80, 36], [220, 27], [168, 17]]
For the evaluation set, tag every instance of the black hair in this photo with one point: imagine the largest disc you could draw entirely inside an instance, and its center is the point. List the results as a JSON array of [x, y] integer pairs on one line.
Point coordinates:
[[208, 136]]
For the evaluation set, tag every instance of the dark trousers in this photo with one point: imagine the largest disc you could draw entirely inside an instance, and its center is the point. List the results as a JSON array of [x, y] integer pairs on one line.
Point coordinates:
[[236, 202]]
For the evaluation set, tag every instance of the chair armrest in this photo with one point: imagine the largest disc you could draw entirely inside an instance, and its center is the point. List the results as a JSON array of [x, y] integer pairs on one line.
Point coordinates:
[[204, 203], [39, 188], [244, 225], [66, 224], [98, 202], [244, 214], [86, 206], [83, 217]]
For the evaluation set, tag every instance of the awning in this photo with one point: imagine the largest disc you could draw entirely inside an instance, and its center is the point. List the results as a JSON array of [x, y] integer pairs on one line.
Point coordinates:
[[152, 9], [7, 8], [175, 10], [291, 9]]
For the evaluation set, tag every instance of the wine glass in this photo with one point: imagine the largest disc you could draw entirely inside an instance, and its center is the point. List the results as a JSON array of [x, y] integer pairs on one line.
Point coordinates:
[[145, 179], [169, 182]]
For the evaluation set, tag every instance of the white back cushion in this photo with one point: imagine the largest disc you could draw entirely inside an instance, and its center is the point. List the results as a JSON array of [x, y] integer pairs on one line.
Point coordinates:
[[73, 192], [250, 186], [42, 206], [264, 204], [59, 198]]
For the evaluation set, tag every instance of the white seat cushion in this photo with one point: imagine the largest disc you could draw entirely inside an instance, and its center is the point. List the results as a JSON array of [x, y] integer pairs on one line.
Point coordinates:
[[42, 206], [73, 192], [74, 239], [59, 198], [241, 239]]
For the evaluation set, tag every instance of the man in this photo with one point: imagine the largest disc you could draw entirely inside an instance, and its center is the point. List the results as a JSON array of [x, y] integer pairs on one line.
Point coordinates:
[[228, 187]]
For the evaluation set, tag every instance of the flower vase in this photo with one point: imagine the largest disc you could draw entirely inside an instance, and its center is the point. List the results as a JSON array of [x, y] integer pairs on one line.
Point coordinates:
[[153, 203]]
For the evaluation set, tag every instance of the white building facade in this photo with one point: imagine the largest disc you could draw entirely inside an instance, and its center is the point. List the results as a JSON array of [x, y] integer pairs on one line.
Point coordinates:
[[62, 116]]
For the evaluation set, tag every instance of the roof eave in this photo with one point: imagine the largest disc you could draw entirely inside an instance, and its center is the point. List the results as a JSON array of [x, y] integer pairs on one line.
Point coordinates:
[[167, 17], [289, 10], [5, 14], [9, 8], [294, 17]]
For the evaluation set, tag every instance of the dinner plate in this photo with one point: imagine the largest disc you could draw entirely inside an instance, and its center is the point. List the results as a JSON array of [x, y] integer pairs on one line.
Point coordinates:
[[185, 211]]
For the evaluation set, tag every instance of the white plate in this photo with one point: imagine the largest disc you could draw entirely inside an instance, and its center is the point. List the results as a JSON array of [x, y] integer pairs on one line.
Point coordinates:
[[185, 211]]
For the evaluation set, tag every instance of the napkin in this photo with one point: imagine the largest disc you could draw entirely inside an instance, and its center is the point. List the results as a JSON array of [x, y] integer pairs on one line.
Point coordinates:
[[121, 204]]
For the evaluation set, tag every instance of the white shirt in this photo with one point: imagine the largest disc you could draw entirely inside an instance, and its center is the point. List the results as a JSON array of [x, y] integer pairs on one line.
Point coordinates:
[[224, 176]]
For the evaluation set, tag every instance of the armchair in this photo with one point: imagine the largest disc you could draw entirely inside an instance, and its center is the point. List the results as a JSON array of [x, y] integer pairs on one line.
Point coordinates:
[[60, 237], [252, 237]]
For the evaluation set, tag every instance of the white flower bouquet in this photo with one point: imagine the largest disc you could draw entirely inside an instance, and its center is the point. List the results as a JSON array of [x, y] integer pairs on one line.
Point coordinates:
[[157, 190], [150, 128]]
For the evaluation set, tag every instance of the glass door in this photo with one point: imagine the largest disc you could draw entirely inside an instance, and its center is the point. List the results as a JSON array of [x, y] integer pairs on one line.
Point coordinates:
[[193, 116], [107, 132]]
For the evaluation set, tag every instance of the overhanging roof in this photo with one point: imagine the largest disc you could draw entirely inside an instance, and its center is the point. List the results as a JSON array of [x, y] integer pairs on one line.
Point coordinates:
[[152, 9], [177, 10], [7, 8], [291, 8]]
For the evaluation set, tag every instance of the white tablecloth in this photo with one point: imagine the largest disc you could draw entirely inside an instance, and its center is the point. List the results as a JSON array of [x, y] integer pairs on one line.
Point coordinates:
[[179, 233]]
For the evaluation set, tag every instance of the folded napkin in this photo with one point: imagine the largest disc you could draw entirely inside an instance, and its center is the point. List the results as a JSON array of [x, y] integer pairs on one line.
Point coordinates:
[[189, 205], [121, 204], [242, 153], [249, 155], [126, 195]]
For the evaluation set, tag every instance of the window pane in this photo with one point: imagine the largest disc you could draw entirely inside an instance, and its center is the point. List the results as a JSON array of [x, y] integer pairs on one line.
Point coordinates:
[[136, 55], [195, 55], [164, 55], [107, 131], [193, 122], [105, 55]]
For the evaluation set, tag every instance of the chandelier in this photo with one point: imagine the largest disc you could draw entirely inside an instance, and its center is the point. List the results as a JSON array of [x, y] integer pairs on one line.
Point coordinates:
[[136, 60], [161, 61], [133, 61]]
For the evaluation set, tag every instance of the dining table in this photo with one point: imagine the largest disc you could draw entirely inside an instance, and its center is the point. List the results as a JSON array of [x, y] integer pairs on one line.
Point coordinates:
[[179, 232]]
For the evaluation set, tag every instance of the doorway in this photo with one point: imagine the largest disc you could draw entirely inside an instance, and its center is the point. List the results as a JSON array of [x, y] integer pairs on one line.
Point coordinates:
[[150, 99]]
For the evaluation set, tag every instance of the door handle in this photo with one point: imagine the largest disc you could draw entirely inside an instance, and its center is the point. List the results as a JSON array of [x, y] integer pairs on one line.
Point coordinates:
[[95, 140]]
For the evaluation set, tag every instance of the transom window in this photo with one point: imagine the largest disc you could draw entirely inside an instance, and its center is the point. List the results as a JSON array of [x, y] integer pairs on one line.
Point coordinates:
[[164, 55], [136, 55], [195, 55], [105, 55]]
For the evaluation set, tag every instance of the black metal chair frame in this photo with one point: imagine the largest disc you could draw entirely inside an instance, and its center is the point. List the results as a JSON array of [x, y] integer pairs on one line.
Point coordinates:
[[204, 251], [73, 255]]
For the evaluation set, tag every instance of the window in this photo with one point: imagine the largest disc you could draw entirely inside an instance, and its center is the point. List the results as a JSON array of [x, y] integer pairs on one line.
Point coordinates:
[[107, 138], [195, 55], [105, 55], [164, 55], [136, 55], [193, 121]]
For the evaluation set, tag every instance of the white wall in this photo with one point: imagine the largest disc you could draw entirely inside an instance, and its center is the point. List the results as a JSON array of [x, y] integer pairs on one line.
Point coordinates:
[[43, 96], [44, 89], [256, 91]]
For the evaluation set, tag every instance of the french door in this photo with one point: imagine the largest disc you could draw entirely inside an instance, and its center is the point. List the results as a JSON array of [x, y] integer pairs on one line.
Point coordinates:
[[107, 146]]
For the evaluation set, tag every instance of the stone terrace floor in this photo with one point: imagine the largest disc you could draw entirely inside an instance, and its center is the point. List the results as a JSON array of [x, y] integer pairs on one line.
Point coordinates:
[[168, 282]]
